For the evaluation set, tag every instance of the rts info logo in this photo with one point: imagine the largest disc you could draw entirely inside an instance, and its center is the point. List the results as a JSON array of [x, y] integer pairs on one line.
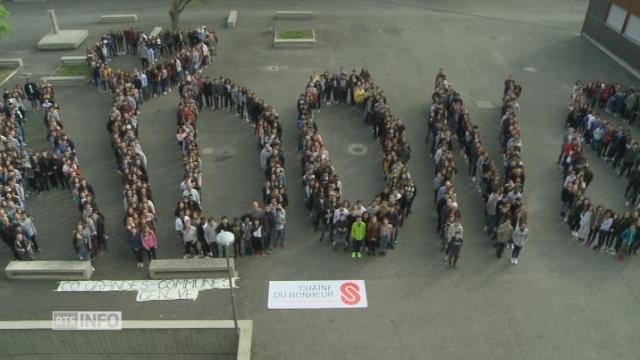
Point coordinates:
[[87, 320]]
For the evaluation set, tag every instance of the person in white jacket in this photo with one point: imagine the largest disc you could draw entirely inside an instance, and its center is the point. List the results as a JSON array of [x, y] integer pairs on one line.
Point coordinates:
[[520, 235], [210, 237]]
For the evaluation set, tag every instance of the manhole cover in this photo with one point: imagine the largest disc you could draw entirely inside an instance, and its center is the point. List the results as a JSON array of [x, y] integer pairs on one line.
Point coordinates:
[[357, 149], [207, 151], [484, 104]]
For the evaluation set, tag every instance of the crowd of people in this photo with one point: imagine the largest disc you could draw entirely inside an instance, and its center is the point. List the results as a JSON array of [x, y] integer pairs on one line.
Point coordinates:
[[184, 51], [505, 210], [260, 230], [89, 239], [597, 226], [17, 230], [614, 98], [25, 172], [373, 228]]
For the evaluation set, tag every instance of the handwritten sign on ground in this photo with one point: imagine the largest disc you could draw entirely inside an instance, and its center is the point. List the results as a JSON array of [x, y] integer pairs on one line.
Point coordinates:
[[150, 290]]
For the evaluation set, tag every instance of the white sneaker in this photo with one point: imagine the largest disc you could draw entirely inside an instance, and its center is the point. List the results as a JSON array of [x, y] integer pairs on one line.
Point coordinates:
[[574, 234], [186, 257], [515, 261], [485, 228], [473, 179]]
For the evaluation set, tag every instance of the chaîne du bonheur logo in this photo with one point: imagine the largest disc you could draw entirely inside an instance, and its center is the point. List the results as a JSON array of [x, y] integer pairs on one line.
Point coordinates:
[[320, 294]]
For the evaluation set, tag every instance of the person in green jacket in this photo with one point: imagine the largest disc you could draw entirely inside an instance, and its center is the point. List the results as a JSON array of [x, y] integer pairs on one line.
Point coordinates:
[[358, 231], [628, 237]]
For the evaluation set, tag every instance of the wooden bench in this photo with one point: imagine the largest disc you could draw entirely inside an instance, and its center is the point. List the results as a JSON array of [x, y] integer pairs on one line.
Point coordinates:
[[118, 18], [189, 268], [156, 31], [73, 60], [294, 15], [11, 62], [231, 20], [48, 270]]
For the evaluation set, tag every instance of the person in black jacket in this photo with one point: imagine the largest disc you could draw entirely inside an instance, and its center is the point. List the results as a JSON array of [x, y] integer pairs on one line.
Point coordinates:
[[207, 90], [218, 92], [33, 94]]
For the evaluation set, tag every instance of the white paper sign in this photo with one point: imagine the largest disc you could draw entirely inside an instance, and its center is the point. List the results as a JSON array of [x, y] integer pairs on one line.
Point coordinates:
[[323, 294], [149, 290]]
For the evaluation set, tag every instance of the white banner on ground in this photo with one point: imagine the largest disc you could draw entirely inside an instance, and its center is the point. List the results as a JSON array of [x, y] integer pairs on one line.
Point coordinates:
[[149, 290], [322, 294]]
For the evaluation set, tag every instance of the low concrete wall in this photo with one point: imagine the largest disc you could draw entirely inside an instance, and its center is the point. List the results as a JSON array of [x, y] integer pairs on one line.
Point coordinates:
[[118, 18], [11, 62], [66, 80], [169, 339], [49, 270]]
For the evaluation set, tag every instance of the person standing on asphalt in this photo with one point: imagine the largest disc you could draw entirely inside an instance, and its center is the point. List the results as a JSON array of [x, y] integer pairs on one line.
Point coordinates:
[[256, 237], [628, 237], [520, 235], [209, 228], [23, 248], [339, 233], [386, 232], [281, 221], [504, 235], [136, 244], [149, 242], [454, 247], [190, 238], [373, 235], [207, 90], [358, 232]]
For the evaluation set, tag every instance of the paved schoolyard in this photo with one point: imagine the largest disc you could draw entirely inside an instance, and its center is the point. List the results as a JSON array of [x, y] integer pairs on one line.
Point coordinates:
[[561, 302]]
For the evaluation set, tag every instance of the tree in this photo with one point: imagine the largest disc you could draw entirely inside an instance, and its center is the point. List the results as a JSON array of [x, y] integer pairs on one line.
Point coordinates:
[[176, 7], [4, 24]]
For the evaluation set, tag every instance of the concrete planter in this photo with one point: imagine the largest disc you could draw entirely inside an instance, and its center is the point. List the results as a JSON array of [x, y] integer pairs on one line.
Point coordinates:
[[13, 64], [6, 79], [66, 80], [294, 43], [73, 60], [294, 15]]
